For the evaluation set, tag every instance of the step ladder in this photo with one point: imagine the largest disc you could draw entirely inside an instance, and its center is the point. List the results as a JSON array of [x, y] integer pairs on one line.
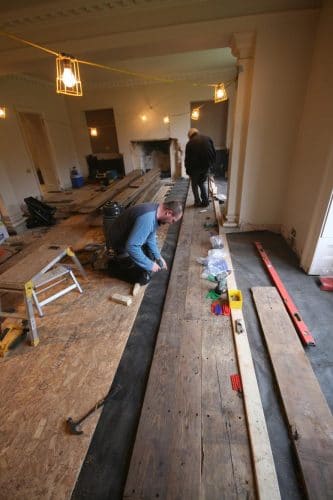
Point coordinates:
[[46, 281]]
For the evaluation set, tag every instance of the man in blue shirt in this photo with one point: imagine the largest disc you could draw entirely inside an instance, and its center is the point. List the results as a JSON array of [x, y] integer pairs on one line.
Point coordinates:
[[132, 237]]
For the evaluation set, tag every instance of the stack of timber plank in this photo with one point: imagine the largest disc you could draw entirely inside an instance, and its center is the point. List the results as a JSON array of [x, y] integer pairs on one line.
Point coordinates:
[[192, 439], [115, 188], [134, 190]]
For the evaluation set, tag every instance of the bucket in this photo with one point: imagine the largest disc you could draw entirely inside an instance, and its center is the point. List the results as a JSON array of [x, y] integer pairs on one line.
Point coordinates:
[[76, 178], [77, 181]]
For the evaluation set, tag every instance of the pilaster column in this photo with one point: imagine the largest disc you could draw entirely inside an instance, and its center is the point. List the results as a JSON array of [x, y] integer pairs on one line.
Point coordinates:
[[242, 46]]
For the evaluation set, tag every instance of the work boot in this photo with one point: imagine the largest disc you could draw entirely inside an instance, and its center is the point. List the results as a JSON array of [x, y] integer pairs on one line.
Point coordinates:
[[99, 260], [145, 277]]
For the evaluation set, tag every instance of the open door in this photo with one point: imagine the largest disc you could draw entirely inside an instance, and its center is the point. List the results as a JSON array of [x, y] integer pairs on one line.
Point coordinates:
[[322, 262], [38, 144]]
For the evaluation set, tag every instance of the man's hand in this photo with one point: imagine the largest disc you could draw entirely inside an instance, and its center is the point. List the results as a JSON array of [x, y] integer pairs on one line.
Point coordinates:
[[163, 264], [155, 268]]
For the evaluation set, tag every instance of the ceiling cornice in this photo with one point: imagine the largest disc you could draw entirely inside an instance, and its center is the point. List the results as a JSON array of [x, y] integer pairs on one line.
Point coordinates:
[[64, 10], [190, 78]]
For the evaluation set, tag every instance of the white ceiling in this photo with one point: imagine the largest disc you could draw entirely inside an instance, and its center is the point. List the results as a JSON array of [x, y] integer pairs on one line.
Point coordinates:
[[122, 34]]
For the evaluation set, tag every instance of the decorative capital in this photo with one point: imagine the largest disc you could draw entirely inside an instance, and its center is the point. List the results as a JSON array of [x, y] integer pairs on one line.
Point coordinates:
[[242, 45]]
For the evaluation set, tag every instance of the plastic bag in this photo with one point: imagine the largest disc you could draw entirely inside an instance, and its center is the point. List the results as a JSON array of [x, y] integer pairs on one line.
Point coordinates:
[[216, 241], [214, 264]]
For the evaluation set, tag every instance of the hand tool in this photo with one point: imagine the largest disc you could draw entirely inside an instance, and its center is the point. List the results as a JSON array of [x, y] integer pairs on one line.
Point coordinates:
[[74, 426], [221, 279], [301, 327]]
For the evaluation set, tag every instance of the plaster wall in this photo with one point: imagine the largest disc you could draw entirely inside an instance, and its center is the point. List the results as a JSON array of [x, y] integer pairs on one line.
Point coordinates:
[[129, 103], [22, 94], [311, 178], [280, 73]]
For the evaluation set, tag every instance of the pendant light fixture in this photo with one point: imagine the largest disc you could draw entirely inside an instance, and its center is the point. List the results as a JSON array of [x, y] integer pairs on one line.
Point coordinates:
[[220, 93], [68, 76], [93, 132], [195, 115], [2, 112]]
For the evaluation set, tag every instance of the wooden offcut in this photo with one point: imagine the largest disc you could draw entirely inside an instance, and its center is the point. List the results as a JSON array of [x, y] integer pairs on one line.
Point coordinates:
[[125, 300], [309, 417]]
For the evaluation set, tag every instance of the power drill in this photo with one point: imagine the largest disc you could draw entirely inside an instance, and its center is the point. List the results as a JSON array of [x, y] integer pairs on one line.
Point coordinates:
[[221, 279]]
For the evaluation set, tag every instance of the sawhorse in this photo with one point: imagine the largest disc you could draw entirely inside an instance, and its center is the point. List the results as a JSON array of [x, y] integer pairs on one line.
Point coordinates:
[[22, 278]]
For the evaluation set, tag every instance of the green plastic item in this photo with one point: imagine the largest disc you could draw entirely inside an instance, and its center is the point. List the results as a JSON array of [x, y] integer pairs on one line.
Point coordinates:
[[212, 295]]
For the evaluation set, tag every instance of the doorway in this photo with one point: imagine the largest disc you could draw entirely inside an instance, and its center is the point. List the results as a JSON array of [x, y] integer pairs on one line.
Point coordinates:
[[103, 133], [322, 262], [38, 144], [213, 121]]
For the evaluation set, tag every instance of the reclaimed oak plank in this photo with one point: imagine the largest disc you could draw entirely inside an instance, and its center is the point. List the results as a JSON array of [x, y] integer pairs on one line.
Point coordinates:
[[309, 417]]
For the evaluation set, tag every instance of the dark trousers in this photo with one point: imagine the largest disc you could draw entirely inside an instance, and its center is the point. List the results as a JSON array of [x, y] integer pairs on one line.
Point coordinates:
[[198, 181], [125, 269]]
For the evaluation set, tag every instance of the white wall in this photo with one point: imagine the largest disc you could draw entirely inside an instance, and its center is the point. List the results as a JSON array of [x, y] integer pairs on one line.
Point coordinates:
[[311, 179], [26, 95], [281, 69], [129, 103]]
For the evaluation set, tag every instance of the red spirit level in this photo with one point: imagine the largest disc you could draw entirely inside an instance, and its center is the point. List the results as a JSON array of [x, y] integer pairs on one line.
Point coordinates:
[[301, 327]]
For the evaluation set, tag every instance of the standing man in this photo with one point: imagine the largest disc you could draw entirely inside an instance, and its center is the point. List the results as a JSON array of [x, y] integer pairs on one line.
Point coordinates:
[[132, 237], [200, 156]]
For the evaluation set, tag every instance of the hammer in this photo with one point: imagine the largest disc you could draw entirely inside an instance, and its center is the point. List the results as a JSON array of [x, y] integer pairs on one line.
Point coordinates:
[[74, 426]]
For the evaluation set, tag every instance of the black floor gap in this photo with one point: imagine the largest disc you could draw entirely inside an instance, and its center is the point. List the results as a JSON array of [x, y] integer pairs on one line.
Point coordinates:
[[104, 471]]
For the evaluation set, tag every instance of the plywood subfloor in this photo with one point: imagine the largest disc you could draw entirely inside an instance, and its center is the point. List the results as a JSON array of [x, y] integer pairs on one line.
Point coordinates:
[[82, 338]]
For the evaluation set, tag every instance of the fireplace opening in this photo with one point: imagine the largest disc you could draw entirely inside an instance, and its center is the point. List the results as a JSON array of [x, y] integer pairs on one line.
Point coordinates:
[[155, 153]]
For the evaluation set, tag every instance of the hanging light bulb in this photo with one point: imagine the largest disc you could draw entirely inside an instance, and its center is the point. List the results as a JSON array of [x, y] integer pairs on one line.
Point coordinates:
[[195, 115], [93, 132], [68, 76], [166, 119], [220, 93], [2, 112], [144, 118]]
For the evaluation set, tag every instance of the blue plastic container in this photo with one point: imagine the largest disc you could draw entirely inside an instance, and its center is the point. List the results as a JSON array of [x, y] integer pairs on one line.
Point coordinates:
[[76, 178], [77, 181]]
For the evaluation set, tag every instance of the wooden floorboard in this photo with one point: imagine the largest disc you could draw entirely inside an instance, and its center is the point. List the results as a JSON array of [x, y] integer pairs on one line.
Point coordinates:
[[309, 417], [192, 439]]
